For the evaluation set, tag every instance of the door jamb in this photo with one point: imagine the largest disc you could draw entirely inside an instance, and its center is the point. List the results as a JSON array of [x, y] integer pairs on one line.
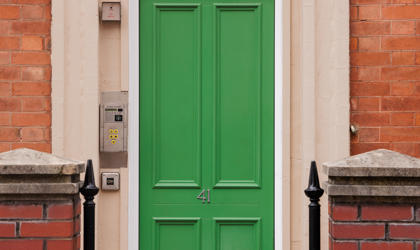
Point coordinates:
[[278, 124], [133, 124], [134, 118]]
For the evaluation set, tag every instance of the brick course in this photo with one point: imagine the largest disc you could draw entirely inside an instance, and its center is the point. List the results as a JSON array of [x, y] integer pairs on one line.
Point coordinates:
[[54, 224], [364, 226], [25, 75], [385, 213], [385, 75]]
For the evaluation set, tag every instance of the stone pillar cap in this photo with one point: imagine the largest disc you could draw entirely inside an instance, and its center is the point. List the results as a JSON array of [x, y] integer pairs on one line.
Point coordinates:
[[377, 163], [378, 173], [30, 162]]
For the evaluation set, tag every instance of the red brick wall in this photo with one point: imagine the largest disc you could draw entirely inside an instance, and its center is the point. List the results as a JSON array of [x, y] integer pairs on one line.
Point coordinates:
[[25, 74], [31, 226], [385, 75], [361, 226]]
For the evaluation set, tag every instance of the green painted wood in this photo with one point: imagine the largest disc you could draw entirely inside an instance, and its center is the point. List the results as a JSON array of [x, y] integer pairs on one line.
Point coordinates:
[[176, 233], [206, 122]]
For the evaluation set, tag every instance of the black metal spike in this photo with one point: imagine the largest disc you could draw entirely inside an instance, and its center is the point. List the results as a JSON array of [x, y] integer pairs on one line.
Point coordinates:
[[89, 190], [314, 192]]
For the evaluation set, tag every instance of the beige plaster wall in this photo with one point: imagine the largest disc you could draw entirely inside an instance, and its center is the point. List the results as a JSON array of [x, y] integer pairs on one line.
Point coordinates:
[[286, 135], [89, 57], [333, 88], [319, 102]]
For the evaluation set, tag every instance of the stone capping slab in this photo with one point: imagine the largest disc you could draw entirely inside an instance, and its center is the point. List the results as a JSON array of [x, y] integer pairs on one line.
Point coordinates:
[[371, 190], [39, 188], [30, 162], [377, 163]]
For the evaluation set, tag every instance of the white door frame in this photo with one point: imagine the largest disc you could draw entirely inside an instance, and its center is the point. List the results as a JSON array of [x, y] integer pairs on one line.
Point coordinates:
[[134, 115]]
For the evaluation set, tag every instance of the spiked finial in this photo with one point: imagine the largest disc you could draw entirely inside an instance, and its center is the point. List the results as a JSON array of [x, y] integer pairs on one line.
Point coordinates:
[[314, 191], [89, 189]]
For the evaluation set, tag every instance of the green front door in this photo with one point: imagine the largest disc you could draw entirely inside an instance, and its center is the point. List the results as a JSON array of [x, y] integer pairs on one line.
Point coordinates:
[[206, 125]]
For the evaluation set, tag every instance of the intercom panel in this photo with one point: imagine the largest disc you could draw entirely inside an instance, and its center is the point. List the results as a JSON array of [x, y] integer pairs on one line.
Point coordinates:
[[113, 122]]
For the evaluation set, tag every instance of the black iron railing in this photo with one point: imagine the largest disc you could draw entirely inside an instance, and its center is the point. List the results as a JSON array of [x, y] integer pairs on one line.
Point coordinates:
[[314, 192], [89, 190]]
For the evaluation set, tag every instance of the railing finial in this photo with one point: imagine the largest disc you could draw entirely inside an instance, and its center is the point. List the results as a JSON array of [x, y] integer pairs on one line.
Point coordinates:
[[89, 190], [314, 192]]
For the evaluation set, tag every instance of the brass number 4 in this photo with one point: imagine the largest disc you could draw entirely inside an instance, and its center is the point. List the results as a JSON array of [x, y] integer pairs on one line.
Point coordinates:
[[202, 196]]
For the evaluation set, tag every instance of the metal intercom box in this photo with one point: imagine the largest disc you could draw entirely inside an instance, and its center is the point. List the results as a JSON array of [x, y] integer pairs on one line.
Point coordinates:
[[110, 181], [111, 11], [113, 121]]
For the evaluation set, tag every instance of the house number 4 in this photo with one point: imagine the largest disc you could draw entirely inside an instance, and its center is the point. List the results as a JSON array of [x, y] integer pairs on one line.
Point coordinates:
[[202, 196]]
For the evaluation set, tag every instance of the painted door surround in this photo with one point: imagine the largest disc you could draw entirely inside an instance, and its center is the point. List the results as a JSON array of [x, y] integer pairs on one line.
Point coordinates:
[[134, 114]]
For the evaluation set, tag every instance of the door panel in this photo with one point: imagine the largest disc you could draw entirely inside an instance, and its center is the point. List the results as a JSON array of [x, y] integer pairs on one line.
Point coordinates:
[[237, 233], [177, 97], [206, 124], [177, 233], [238, 113]]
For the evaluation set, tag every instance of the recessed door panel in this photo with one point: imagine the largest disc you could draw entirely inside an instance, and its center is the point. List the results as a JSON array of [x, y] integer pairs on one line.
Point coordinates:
[[238, 79], [177, 96], [237, 233], [177, 234]]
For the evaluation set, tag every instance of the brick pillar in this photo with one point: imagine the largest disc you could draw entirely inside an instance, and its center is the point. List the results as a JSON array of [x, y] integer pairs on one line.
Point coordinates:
[[39, 201], [374, 202]]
